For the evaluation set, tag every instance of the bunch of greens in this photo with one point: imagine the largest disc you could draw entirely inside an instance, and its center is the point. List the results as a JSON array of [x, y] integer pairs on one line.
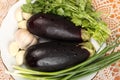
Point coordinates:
[[93, 64], [80, 12]]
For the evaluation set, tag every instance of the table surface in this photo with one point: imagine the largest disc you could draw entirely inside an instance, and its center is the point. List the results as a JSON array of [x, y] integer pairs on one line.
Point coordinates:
[[111, 15]]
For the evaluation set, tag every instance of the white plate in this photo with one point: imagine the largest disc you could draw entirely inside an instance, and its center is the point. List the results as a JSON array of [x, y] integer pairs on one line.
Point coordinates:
[[7, 30]]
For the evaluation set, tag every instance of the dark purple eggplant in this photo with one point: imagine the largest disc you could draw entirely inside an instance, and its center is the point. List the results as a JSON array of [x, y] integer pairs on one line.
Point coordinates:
[[43, 40], [55, 27], [55, 56]]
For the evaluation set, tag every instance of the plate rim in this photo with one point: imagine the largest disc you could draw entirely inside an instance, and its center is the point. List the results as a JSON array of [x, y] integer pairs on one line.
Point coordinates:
[[3, 22]]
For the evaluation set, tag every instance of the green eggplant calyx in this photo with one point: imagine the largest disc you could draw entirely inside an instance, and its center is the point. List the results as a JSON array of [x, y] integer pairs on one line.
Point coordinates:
[[88, 46], [85, 35]]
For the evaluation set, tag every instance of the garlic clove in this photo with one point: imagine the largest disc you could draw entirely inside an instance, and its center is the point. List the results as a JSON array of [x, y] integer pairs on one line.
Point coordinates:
[[24, 38], [18, 14], [26, 16], [34, 41], [20, 57], [22, 24], [13, 48]]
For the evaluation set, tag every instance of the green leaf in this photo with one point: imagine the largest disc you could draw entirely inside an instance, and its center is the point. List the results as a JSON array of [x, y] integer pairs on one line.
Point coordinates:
[[85, 23], [28, 1], [76, 21], [27, 8], [60, 11], [59, 1], [82, 4]]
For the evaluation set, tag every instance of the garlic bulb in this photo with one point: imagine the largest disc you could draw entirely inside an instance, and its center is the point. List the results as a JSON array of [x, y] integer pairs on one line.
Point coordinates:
[[25, 38]]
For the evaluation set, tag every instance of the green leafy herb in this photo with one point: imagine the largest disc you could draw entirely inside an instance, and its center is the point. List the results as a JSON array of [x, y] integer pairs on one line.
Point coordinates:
[[80, 12]]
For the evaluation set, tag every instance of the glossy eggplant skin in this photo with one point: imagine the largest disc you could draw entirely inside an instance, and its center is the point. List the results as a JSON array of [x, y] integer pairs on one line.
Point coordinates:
[[44, 40], [54, 56], [53, 27]]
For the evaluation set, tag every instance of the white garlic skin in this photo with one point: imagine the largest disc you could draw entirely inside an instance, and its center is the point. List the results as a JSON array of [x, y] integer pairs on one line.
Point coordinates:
[[20, 57], [22, 24], [24, 38], [26, 16], [13, 48]]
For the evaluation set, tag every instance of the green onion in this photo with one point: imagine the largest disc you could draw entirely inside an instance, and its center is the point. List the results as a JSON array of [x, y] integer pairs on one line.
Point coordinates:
[[96, 66]]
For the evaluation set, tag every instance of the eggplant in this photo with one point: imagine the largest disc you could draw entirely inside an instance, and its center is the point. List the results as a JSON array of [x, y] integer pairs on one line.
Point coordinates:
[[56, 27], [44, 40], [54, 56]]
